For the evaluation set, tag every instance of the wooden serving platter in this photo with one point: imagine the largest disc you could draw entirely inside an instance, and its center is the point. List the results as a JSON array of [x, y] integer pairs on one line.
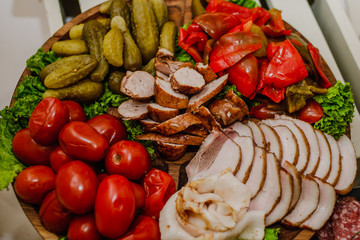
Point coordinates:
[[180, 13]]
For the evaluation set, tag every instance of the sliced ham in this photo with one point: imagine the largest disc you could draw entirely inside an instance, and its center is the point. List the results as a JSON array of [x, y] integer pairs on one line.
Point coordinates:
[[304, 149], [248, 152], [349, 166], [138, 85], [270, 194], [168, 97], [287, 189], [324, 209], [187, 80], [242, 129], [133, 110], [289, 145], [296, 177], [177, 124], [159, 113], [206, 71], [178, 138], [258, 172], [208, 92], [335, 160], [272, 139], [258, 135], [307, 204], [324, 167]]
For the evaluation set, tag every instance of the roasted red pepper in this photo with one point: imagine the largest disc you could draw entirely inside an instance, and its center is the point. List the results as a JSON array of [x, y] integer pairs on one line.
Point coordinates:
[[275, 94], [198, 38], [260, 16], [231, 48], [315, 55], [243, 27], [195, 53], [275, 27], [223, 6], [207, 50]]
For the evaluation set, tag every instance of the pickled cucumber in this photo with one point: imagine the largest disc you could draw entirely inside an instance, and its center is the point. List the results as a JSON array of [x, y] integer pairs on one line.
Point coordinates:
[[120, 8], [70, 70], [159, 8], [113, 47], [167, 36], [150, 67], [83, 91], [144, 29], [114, 81], [197, 8], [76, 31], [70, 47], [94, 33], [132, 54], [105, 7]]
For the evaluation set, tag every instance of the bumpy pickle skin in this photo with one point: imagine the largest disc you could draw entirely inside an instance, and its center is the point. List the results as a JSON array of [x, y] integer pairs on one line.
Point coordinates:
[[70, 47], [167, 36], [94, 33], [114, 80], [150, 67], [113, 47], [84, 91], [197, 8], [105, 7], [120, 8], [145, 29], [132, 54], [76, 31], [70, 70], [160, 11]]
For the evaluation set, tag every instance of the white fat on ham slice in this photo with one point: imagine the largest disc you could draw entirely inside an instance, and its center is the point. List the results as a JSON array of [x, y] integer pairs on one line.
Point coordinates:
[[313, 143], [289, 144], [258, 172], [304, 149], [270, 193], [349, 166], [296, 177], [247, 153], [242, 129], [324, 209], [335, 160], [258, 135], [272, 139], [324, 167], [307, 204], [282, 208]]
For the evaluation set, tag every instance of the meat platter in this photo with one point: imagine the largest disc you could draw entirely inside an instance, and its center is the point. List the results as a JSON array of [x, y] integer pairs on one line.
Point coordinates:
[[180, 13]]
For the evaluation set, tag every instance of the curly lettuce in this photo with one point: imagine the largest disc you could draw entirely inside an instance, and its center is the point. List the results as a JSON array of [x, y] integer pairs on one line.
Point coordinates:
[[40, 59]]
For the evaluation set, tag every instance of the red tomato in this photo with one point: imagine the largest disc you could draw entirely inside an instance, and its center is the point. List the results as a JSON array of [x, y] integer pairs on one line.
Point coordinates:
[[262, 112], [47, 119], [102, 176], [128, 158], [139, 195], [144, 228], [33, 183], [28, 151], [159, 187], [53, 215], [81, 141], [312, 112], [58, 158], [110, 127], [76, 111], [76, 184], [114, 206], [83, 227]]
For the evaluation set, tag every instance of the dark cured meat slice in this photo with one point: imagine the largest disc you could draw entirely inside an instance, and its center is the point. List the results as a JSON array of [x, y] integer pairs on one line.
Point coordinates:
[[326, 232]]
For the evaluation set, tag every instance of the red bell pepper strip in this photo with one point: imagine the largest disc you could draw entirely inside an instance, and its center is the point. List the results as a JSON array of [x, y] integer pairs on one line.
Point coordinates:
[[245, 75], [275, 94], [197, 38], [207, 50], [243, 27], [231, 48], [216, 24], [315, 55], [227, 7], [194, 28], [183, 34], [276, 27], [286, 66], [260, 16], [263, 63]]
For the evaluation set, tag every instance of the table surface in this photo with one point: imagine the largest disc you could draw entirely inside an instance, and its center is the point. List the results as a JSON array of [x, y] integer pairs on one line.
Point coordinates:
[[21, 19]]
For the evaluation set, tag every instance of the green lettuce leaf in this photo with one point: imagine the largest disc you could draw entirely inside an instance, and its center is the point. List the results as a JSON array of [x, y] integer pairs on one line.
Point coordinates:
[[245, 3], [40, 59], [272, 233]]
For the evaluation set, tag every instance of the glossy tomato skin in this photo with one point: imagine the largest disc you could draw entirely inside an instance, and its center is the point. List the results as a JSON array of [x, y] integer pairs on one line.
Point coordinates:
[[58, 158], [262, 112], [312, 112], [144, 228], [110, 127], [53, 215], [76, 111], [28, 151], [34, 183], [159, 187], [128, 158], [47, 119], [76, 184], [81, 141], [83, 227], [114, 206], [139, 195]]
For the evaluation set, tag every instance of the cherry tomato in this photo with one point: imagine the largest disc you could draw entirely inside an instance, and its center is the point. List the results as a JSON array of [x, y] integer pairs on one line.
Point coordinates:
[[53, 215], [110, 127], [159, 187], [28, 151], [47, 119], [312, 112], [76, 111], [83, 227], [114, 206], [76, 184], [128, 158], [144, 228], [81, 141], [262, 112], [139, 195], [58, 158], [34, 183]]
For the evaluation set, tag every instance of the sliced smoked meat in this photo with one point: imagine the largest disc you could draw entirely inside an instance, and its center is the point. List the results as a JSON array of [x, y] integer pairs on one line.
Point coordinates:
[[335, 170], [133, 110], [159, 113], [138, 85], [324, 167], [184, 139], [166, 96], [187, 80], [258, 172]]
